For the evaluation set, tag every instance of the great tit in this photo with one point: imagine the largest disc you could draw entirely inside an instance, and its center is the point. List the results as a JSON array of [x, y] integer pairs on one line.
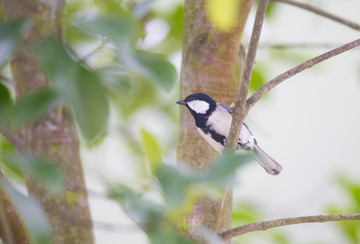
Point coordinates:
[[213, 121]]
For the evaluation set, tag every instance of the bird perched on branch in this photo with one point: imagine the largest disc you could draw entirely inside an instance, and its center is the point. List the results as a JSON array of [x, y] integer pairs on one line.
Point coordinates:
[[213, 121]]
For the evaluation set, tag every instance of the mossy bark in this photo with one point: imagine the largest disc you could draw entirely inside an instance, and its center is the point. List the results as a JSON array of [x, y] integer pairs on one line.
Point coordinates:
[[53, 137], [212, 64]]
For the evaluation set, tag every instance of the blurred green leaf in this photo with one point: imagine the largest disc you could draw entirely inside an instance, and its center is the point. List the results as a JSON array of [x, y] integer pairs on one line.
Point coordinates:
[[176, 22], [89, 102], [176, 181], [151, 67], [271, 10], [5, 96], [145, 212], [244, 213], [39, 169], [10, 170], [167, 234], [31, 107], [173, 41], [110, 6], [118, 28], [351, 229], [281, 238], [5, 102], [152, 150], [10, 36], [80, 87], [115, 80], [224, 168], [30, 213], [257, 79]]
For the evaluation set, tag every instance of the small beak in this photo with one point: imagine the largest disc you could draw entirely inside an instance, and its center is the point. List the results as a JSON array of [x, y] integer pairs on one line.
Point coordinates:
[[181, 102]]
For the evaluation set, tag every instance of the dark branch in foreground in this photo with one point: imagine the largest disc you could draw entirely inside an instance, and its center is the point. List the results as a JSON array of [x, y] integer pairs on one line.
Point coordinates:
[[240, 112], [297, 69], [265, 225], [322, 13]]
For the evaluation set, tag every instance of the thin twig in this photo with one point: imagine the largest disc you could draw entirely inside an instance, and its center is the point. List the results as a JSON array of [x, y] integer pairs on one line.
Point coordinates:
[[320, 12], [239, 112], [304, 45], [265, 225], [297, 69]]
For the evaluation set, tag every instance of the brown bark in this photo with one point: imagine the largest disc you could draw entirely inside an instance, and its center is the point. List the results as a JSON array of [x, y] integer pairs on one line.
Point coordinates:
[[54, 137], [211, 64]]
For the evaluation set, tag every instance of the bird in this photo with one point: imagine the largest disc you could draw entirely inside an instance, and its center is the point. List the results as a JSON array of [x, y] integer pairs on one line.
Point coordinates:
[[213, 122]]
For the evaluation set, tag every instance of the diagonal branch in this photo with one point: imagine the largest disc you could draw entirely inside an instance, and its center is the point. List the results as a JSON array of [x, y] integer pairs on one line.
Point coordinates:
[[297, 69], [239, 112], [265, 225], [320, 12]]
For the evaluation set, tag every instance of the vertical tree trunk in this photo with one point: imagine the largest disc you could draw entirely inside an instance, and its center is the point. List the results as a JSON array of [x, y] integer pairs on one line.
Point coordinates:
[[212, 65], [54, 137]]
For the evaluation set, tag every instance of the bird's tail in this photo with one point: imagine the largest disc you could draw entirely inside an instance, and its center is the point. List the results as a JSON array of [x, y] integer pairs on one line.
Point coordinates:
[[267, 162]]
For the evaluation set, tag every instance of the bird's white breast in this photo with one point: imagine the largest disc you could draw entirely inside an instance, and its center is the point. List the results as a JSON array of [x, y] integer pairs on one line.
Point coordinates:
[[220, 122]]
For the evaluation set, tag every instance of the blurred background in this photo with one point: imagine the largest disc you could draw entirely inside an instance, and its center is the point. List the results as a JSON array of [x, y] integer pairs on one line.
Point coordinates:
[[309, 123]]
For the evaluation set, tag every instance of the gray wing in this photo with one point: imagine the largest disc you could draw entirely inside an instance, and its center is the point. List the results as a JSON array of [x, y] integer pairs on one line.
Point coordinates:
[[226, 107]]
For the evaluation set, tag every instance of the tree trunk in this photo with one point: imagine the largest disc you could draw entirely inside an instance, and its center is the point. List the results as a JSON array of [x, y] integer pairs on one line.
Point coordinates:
[[54, 137], [212, 64]]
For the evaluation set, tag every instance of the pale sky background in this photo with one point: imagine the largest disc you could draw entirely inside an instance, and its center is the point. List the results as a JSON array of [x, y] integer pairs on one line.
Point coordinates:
[[310, 124]]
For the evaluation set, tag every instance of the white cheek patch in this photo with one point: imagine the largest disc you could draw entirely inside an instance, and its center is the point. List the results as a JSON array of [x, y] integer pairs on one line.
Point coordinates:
[[200, 107]]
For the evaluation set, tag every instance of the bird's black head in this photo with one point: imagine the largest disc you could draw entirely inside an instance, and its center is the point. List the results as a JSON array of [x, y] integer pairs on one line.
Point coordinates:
[[200, 105]]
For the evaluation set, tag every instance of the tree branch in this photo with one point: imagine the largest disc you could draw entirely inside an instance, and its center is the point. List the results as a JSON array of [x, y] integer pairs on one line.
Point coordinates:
[[239, 111], [298, 45], [322, 13], [265, 225], [297, 69]]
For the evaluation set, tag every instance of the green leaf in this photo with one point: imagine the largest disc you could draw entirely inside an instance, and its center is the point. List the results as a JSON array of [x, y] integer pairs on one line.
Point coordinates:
[[167, 234], [31, 107], [177, 181], [145, 212], [80, 88], [47, 173], [224, 168], [90, 105], [10, 171], [10, 36], [115, 80], [152, 150], [257, 79], [118, 28], [30, 213], [5, 102], [150, 67], [140, 95], [5, 96], [57, 63]]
